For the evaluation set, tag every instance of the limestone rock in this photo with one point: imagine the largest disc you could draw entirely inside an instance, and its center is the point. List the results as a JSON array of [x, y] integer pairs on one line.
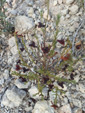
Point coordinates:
[[13, 97], [42, 107], [73, 9], [14, 50], [12, 42], [21, 85], [68, 2], [32, 91], [65, 109], [23, 24], [55, 2], [60, 1], [82, 87]]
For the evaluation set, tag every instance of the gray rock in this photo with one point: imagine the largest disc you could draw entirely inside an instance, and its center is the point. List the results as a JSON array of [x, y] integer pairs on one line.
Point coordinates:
[[42, 107], [29, 2], [13, 97], [23, 24], [52, 96]]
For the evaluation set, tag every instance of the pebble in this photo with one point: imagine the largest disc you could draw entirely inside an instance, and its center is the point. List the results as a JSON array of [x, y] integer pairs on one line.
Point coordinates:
[[82, 87], [21, 85], [42, 107], [55, 3], [60, 2], [77, 103], [14, 50], [68, 2], [33, 91], [73, 9], [13, 97], [12, 42], [22, 26], [65, 109]]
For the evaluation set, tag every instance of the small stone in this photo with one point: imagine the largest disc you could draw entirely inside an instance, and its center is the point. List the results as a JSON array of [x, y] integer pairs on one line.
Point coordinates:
[[30, 11], [13, 12], [65, 109], [21, 85], [77, 103], [76, 78], [55, 3], [82, 87], [64, 12], [6, 74], [68, 2], [29, 2], [42, 107], [45, 15], [73, 9], [22, 26], [13, 97], [64, 1], [12, 42], [52, 96], [72, 29], [77, 110], [33, 92], [45, 92], [60, 1], [14, 50]]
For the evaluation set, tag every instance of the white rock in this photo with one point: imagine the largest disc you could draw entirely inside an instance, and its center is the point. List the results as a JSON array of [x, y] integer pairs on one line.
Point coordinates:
[[6, 102], [45, 15], [55, 2], [60, 1], [14, 50], [23, 24], [12, 42], [65, 109], [77, 103], [32, 91], [76, 78], [73, 9], [6, 74], [82, 87], [13, 97], [42, 107], [69, 1], [21, 85], [64, 12], [29, 2], [30, 11]]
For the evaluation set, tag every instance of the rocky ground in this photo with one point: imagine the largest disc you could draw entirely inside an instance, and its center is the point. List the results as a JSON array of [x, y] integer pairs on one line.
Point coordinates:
[[17, 97]]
